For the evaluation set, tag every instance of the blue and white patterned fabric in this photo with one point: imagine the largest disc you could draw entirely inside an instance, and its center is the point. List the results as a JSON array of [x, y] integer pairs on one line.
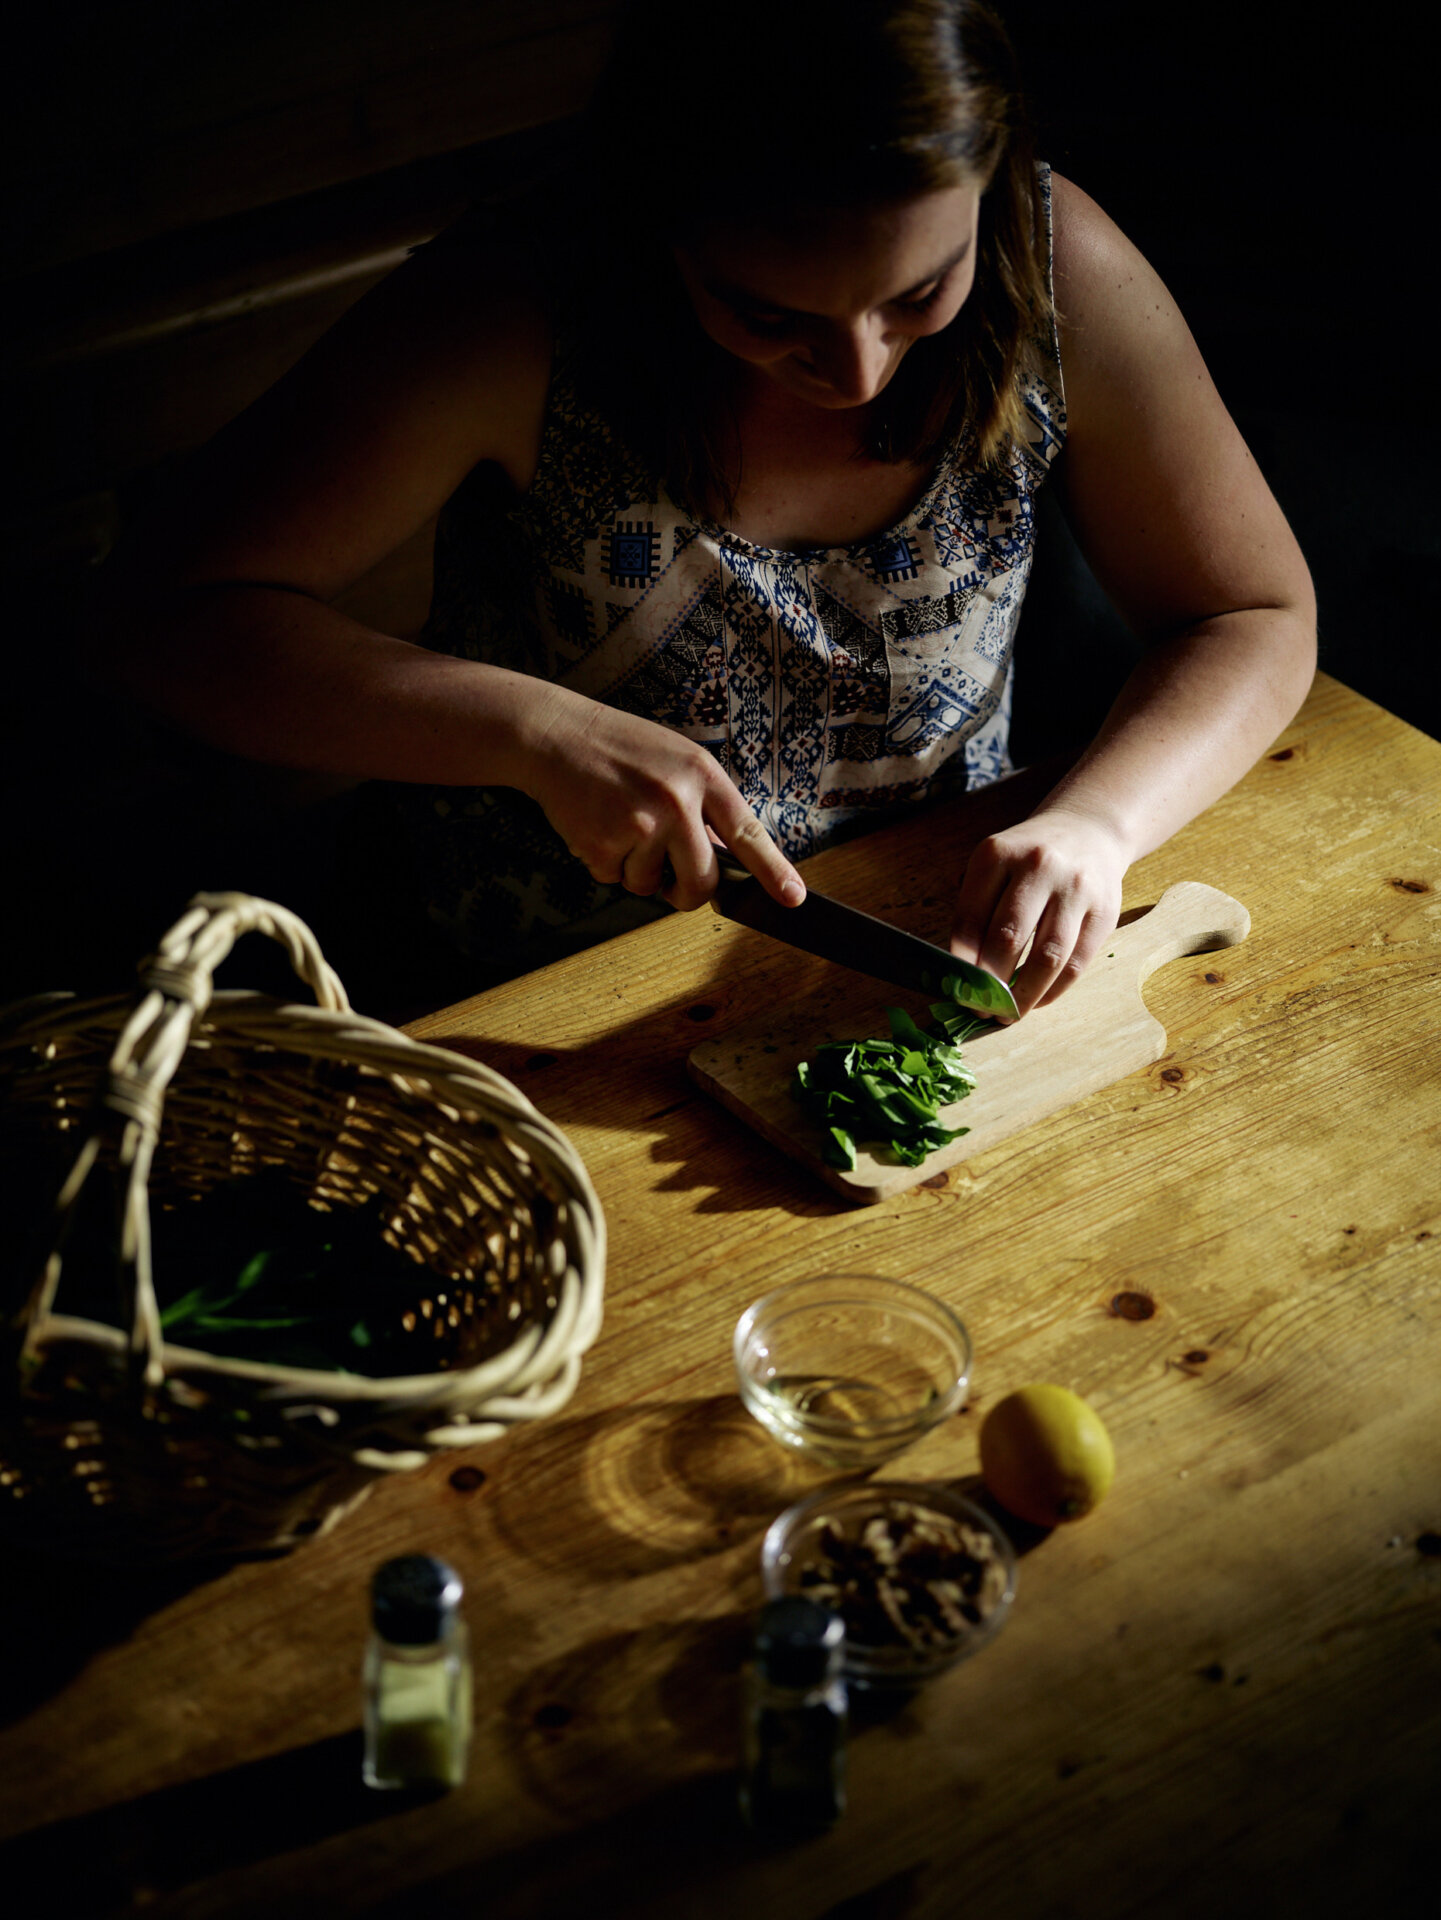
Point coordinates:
[[833, 684]]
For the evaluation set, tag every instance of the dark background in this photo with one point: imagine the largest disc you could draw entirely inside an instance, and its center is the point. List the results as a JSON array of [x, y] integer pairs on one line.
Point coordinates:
[[195, 191], [1267, 159]]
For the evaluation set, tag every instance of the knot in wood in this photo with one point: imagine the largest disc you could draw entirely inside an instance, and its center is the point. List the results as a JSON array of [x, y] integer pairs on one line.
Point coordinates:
[[1133, 1306]]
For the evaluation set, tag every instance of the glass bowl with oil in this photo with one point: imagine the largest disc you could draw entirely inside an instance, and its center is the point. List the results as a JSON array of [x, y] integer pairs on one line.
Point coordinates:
[[849, 1368]]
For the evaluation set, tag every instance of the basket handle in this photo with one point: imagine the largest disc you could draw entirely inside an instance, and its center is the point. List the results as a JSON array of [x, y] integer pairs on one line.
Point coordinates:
[[183, 965], [176, 985]]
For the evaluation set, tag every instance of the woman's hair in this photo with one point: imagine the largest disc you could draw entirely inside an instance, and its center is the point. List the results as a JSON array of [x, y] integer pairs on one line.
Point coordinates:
[[768, 109]]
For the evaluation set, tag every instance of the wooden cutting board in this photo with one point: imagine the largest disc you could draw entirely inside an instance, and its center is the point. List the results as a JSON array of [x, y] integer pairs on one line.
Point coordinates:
[[1094, 1034]]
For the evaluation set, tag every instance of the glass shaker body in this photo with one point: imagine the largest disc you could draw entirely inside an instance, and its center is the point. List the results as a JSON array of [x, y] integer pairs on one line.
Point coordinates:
[[793, 1777], [417, 1678], [417, 1712]]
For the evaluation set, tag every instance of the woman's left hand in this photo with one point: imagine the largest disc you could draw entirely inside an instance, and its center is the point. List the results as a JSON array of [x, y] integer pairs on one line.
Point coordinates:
[[1057, 877]]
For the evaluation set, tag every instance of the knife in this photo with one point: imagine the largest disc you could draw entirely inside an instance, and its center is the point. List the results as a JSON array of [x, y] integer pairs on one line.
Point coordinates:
[[855, 939]]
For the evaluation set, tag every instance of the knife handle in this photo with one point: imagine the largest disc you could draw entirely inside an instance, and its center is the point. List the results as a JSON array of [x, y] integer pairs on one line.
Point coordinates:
[[740, 896]]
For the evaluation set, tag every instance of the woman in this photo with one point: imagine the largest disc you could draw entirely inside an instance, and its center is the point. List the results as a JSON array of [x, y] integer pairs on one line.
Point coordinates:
[[739, 441]]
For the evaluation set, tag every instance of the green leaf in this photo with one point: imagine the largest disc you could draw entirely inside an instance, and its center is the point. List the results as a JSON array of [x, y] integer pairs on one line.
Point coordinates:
[[179, 1311], [885, 1100], [921, 1111], [909, 1154], [905, 1030], [253, 1272], [244, 1322], [840, 1150], [889, 1091]]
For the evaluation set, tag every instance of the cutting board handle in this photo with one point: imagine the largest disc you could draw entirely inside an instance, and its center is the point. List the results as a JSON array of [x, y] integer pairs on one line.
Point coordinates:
[[1188, 918]]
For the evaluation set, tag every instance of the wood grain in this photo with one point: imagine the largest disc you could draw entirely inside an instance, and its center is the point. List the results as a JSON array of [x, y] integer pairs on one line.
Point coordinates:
[[1216, 1695], [1097, 1033]]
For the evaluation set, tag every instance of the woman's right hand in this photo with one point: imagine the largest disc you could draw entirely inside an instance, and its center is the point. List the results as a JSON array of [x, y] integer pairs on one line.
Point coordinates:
[[641, 806]]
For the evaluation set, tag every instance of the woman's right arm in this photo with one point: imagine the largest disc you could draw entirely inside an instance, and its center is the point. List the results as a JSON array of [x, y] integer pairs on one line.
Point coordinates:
[[221, 615]]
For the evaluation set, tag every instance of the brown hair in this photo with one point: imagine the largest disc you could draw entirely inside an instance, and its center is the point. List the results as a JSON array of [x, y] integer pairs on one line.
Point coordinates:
[[771, 107]]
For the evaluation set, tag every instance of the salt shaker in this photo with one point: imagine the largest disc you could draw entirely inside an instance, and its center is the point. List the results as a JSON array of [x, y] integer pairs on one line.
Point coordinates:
[[795, 1720], [417, 1676]]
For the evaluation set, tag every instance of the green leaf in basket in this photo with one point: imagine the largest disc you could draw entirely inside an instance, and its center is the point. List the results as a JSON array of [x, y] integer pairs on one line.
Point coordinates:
[[252, 1273], [272, 1278], [253, 1323], [216, 1294]]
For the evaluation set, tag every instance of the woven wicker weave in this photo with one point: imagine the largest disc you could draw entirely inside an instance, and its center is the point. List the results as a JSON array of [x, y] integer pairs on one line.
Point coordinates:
[[119, 1446]]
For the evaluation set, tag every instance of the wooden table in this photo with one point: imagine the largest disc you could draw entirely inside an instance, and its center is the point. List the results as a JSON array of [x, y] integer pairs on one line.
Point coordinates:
[[1215, 1696]]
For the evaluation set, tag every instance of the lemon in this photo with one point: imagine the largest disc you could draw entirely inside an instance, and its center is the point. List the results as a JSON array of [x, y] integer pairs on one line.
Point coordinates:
[[1046, 1455]]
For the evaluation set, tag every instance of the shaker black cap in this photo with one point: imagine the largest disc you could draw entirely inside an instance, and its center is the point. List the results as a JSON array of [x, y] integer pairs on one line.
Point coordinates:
[[412, 1599], [798, 1642]]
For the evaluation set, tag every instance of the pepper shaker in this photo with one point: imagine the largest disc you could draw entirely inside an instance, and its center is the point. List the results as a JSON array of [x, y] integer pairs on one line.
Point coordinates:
[[795, 1720], [417, 1676]]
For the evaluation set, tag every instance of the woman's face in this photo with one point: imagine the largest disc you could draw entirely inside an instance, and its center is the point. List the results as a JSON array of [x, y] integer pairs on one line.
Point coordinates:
[[826, 304]]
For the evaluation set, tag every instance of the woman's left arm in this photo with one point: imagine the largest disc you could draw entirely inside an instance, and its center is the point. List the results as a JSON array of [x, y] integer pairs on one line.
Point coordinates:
[[1183, 533]]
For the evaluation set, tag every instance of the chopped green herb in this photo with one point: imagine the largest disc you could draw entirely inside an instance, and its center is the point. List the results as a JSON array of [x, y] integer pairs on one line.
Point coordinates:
[[840, 1150], [889, 1091]]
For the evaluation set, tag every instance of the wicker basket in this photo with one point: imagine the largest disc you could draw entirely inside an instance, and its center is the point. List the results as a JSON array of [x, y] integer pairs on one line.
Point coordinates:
[[120, 1446]]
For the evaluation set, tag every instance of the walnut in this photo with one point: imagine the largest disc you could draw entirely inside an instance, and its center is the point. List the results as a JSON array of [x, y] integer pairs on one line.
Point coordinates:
[[910, 1578]]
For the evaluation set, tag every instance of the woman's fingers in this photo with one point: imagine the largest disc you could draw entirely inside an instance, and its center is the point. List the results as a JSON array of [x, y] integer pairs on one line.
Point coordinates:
[[753, 847], [606, 868], [679, 858], [638, 805], [1096, 929], [1009, 904], [981, 890], [1053, 951], [691, 869], [644, 869], [1053, 881]]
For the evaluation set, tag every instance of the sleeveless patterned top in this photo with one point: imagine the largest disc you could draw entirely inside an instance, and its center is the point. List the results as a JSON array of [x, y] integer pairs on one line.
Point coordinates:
[[833, 684]]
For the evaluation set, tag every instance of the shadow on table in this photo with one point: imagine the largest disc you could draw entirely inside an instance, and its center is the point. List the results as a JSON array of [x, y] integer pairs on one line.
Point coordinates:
[[680, 1834], [56, 1614], [605, 1725], [612, 1724], [129, 1854], [634, 1741], [627, 1715], [695, 1144], [640, 1863], [633, 1491]]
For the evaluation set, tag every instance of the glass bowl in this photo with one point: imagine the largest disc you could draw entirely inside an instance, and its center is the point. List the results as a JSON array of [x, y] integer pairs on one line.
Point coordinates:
[[850, 1368], [948, 1561]]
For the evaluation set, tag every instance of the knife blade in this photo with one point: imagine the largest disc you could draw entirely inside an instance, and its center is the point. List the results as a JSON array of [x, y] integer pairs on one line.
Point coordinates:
[[844, 934]]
